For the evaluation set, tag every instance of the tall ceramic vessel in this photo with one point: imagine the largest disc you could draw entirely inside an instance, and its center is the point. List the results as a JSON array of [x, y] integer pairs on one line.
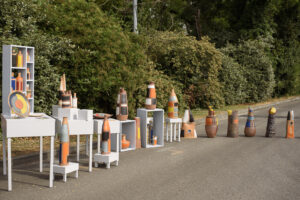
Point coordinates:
[[62, 89], [19, 83], [188, 125], [64, 143], [233, 124], [67, 100], [290, 125], [151, 97], [106, 137], [211, 124], [122, 105], [250, 129], [270, 132], [173, 105], [20, 59], [138, 132]]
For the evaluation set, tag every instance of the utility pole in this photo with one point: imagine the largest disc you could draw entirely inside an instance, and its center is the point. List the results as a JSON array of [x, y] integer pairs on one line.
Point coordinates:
[[135, 16]]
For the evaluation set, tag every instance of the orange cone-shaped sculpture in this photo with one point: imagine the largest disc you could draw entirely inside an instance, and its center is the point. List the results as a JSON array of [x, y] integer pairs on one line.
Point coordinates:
[[173, 105], [122, 106], [211, 123], [64, 143], [105, 140], [151, 97], [250, 129], [138, 132], [290, 125]]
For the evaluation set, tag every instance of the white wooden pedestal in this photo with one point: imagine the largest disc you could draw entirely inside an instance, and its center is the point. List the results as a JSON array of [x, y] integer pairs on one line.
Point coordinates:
[[80, 123], [65, 170], [158, 126], [13, 127], [106, 159], [115, 135], [172, 123]]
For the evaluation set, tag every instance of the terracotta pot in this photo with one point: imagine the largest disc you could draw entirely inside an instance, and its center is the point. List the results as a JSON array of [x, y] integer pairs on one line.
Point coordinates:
[[125, 143], [290, 125], [173, 105], [233, 125], [211, 130], [106, 137], [250, 131], [151, 97], [211, 124], [122, 106]]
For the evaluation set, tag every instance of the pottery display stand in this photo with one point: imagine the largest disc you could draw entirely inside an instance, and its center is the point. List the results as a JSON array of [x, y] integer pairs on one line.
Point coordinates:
[[115, 131], [65, 170], [158, 126], [80, 123], [13, 127], [173, 123], [129, 129]]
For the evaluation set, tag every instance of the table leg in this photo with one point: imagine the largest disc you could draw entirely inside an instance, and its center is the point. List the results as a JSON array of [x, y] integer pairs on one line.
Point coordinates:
[[51, 175], [98, 143], [9, 163], [78, 147], [87, 145], [41, 153], [171, 129], [179, 129], [91, 152], [167, 130], [175, 131], [4, 154]]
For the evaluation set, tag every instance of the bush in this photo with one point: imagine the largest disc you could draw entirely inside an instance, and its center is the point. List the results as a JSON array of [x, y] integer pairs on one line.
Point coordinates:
[[105, 58], [232, 76], [193, 63], [252, 55]]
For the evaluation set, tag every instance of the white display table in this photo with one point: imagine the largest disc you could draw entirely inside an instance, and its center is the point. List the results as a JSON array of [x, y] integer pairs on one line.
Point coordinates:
[[115, 135], [80, 123], [13, 127], [158, 126], [173, 122]]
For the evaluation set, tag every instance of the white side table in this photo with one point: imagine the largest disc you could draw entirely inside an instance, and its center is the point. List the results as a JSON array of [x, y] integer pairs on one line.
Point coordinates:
[[80, 123], [27, 127], [114, 130], [173, 123]]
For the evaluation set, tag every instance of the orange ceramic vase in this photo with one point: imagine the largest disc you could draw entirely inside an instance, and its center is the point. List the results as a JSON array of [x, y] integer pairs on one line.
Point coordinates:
[[125, 143]]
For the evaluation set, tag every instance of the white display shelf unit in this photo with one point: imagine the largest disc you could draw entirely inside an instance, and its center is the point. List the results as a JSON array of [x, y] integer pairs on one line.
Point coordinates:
[[158, 126], [129, 129], [8, 68]]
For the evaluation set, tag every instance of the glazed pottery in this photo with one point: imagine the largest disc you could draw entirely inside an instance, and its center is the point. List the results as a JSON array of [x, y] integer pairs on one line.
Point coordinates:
[[125, 143]]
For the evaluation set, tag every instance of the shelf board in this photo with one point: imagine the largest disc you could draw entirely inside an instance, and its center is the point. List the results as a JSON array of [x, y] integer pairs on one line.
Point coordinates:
[[29, 80], [29, 62], [19, 67], [128, 149]]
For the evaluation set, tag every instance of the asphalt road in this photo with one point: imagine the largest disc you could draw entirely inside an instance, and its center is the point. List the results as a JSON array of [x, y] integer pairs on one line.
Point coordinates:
[[202, 168]]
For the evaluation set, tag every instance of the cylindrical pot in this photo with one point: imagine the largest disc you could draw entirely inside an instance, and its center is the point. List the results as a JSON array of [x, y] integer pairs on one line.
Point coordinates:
[[105, 140], [211, 124], [64, 143], [122, 106], [250, 129], [270, 132], [151, 97], [66, 100], [233, 124], [173, 105]]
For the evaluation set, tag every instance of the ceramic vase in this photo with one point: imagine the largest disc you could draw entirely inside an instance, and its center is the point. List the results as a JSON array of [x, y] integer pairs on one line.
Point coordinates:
[[122, 106], [125, 143], [151, 97], [64, 143]]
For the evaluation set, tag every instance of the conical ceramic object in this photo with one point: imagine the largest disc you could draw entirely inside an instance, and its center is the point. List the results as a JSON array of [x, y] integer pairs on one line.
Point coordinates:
[[250, 129], [64, 143], [122, 106], [106, 137], [125, 143], [290, 125], [211, 124], [138, 132], [270, 132], [151, 97], [233, 124], [173, 105]]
